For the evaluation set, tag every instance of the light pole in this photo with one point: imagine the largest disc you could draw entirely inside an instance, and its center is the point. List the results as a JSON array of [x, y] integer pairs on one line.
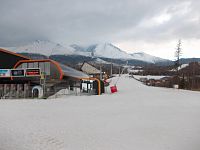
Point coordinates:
[[111, 69], [100, 71]]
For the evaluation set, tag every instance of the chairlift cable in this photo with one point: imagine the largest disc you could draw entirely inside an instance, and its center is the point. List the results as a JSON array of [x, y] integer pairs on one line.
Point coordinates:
[[121, 73]]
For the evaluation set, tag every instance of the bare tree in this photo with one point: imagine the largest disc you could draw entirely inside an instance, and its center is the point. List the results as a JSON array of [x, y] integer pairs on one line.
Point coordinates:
[[178, 54]]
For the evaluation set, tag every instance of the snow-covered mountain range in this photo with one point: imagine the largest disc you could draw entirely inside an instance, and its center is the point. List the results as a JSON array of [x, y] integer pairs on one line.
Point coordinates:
[[105, 50], [148, 58], [43, 47]]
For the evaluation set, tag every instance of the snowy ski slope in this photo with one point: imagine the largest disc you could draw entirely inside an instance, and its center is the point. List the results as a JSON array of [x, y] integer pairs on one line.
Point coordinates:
[[136, 118]]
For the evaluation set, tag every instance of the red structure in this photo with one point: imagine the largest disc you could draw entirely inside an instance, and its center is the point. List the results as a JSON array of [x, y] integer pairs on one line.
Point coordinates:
[[113, 89]]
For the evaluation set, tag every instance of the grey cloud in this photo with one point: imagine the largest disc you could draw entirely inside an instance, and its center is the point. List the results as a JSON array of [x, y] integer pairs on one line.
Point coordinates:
[[71, 21]]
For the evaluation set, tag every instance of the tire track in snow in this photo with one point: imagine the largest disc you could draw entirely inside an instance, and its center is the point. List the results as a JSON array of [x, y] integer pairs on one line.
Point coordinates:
[[46, 142]]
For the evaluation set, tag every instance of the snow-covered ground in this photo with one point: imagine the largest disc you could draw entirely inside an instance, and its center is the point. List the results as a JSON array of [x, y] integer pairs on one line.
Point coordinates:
[[138, 117], [181, 67], [148, 77]]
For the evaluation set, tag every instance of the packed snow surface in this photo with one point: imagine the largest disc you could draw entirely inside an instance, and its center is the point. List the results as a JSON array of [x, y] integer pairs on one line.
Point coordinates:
[[137, 117]]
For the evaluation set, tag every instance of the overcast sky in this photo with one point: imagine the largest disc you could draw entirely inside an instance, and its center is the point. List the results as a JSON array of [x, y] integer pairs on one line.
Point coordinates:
[[151, 26]]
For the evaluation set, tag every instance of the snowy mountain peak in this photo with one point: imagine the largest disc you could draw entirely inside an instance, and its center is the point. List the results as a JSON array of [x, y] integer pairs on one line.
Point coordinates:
[[111, 45], [43, 47], [110, 51], [146, 57], [79, 48]]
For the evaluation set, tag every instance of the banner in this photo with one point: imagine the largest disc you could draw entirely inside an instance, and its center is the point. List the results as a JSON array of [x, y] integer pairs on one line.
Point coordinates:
[[33, 72], [29, 72], [17, 72], [4, 72]]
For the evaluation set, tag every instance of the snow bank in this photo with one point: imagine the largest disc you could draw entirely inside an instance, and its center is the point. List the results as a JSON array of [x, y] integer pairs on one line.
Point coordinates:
[[181, 67], [148, 77]]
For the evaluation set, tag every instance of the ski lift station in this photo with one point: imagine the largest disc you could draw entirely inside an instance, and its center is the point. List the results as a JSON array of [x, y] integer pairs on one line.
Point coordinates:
[[22, 77]]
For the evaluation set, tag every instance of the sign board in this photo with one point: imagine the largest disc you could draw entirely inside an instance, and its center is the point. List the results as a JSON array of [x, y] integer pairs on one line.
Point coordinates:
[[29, 72], [33, 72], [17, 72], [4, 72]]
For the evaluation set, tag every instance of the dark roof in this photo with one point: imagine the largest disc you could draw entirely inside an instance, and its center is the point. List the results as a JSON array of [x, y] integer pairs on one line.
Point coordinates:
[[12, 53], [71, 72], [90, 69], [8, 59]]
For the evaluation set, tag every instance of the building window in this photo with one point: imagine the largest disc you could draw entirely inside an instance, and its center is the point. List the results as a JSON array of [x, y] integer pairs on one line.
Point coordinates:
[[30, 65], [24, 65], [36, 65], [47, 68], [41, 66]]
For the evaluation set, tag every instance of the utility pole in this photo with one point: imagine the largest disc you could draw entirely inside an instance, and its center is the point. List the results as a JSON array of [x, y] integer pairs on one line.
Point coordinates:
[[111, 70], [101, 72], [43, 83], [119, 70]]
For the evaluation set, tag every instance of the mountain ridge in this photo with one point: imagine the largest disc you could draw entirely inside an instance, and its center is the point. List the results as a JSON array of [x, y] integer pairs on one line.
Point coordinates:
[[105, 50]]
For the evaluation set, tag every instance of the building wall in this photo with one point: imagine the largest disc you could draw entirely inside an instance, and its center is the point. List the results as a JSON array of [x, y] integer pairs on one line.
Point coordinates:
[[48, 68], [89, 69]]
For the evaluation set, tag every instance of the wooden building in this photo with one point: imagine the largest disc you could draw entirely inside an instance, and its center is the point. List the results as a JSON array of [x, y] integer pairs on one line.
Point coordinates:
[[36, 78]]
